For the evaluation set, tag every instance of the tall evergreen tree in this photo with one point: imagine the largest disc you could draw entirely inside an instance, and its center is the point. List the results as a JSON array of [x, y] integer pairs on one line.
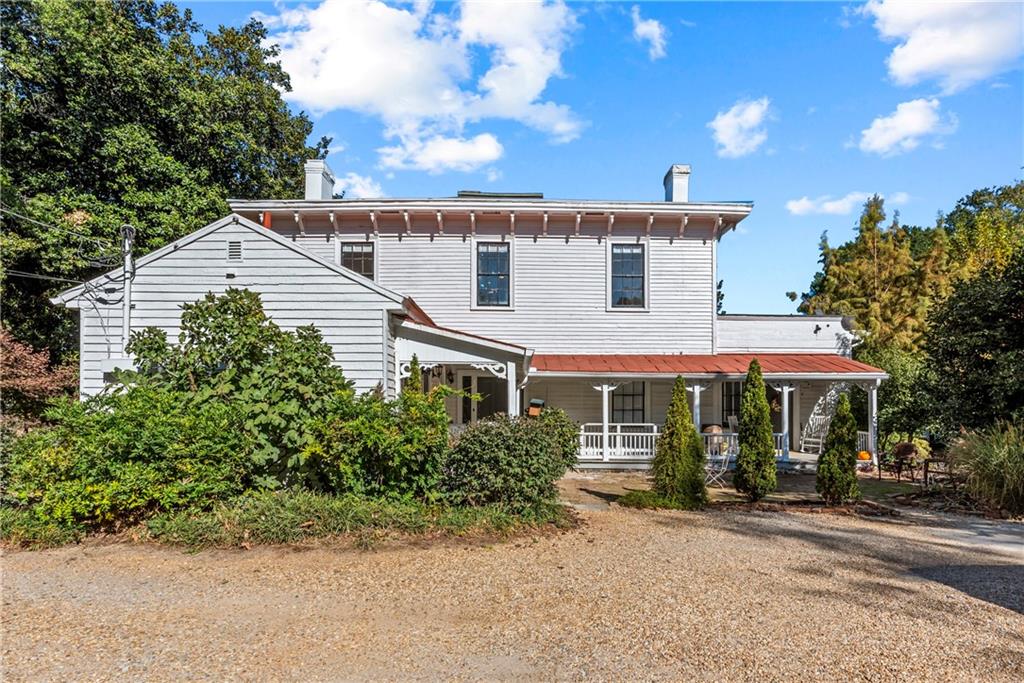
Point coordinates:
[[678, 466], [877, 279], [126, 111], [837, 465], [755, 465]]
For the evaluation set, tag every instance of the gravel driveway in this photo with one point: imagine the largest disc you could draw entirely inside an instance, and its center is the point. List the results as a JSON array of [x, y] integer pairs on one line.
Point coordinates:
[[629, 595]]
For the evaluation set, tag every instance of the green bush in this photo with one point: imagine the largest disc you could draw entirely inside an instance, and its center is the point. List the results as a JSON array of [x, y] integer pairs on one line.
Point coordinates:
[[229, 351], [837, 465], [122, 455], [755, 464], [992, 459], [368, 445], [678, 466], [511, 461]]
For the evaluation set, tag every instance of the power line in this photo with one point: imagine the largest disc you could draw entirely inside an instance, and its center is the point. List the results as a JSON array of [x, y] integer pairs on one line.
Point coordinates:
[[37, 276], [4, 209]]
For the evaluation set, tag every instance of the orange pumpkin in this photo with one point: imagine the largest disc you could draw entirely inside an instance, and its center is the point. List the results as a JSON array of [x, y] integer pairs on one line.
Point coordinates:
[[863, 455]]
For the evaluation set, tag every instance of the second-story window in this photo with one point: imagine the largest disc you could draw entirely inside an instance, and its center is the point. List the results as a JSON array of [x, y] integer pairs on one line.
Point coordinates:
[[358, 257], [627, 273], [493, 274]]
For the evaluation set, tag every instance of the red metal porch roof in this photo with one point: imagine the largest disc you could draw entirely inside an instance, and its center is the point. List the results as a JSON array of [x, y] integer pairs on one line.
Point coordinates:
[[711, 364]]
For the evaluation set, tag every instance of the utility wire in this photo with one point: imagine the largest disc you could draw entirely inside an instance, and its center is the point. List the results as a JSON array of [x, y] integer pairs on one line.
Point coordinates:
[[37, 276], [4, 209]]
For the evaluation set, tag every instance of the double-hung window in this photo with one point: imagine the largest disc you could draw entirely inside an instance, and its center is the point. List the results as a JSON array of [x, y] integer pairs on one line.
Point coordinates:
[[628, 403], [493, 274], [628, 288], [358, 257]]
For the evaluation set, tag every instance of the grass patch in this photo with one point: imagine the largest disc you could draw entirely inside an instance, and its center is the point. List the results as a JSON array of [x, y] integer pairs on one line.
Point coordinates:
[[879, 491], [292, 517], [650, 500], [22, 527]]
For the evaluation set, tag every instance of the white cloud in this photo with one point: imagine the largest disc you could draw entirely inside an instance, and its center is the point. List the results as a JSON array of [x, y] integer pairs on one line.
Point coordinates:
[[898, 198], [837, 206], [357, 186], [955, 43], [413, 66], [650, 31], [440, 153], [740, 130], [905, 128]]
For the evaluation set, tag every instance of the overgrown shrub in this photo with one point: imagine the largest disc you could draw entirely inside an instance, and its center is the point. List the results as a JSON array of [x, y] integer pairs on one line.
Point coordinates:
[[755, 464], [27, 382], [125, 454], [837, 465], [365, 444], [678, 466], [229, 351], [992, 459], [511, 461]]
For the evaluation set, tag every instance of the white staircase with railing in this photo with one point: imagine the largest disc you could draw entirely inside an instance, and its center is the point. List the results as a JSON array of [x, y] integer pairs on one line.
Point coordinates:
[[812, 436]]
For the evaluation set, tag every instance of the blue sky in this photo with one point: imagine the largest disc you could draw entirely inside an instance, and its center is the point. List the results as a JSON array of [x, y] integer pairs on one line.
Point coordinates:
[[802, 108]]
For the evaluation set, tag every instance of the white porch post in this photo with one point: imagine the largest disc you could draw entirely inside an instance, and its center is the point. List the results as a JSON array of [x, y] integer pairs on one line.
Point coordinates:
[[873, 421], [513, 393], [786, 391], [605, 445], [695, 390]]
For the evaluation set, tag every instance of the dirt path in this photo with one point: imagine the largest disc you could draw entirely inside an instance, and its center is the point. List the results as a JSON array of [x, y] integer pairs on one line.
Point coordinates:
[[630, 595]]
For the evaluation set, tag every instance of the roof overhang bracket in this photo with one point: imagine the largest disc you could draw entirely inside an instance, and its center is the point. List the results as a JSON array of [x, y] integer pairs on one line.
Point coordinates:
[[408, 222], [373, 222], [544, 225], [682, 223], [334, 221], [512, 222], [578, 218], [440, 223], [611, 222], [472, 223], [650, 222], [300, 223]]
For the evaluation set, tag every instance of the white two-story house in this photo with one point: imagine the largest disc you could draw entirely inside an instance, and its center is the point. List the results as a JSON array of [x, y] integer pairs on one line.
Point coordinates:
[[593, 306]]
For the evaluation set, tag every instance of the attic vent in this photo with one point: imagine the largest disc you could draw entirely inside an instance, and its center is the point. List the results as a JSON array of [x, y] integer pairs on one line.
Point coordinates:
[[234, 251]]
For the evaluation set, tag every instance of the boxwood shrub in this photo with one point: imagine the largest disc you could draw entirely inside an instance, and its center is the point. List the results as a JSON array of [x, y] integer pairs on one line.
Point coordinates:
[[511, 461]]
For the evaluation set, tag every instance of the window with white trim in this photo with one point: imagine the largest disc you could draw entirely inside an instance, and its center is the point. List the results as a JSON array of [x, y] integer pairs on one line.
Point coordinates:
[[628, 403], [493, 274], [628, 288], [358, 257]]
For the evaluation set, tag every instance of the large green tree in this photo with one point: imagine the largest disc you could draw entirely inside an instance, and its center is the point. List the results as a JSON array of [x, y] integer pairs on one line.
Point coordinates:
[[127, 111], [986, 228], [975, 346], [886, 278]]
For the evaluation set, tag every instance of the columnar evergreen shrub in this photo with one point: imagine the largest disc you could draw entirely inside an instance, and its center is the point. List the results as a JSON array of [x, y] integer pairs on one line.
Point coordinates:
[[837, 465], [755, 464], [511, 461], [678, 466]]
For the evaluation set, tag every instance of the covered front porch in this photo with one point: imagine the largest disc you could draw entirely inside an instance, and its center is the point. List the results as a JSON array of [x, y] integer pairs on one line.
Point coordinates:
[[620, 402]]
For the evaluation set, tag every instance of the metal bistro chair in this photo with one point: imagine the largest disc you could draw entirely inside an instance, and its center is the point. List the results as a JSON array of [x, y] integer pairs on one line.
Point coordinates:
[[717, 458]]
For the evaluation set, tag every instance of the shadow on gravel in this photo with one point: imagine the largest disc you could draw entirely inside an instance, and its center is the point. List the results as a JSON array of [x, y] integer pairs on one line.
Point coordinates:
[[999, 584]]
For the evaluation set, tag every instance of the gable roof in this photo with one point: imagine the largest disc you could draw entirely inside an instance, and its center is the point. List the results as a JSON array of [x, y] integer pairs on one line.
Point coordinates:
[[71, 295]]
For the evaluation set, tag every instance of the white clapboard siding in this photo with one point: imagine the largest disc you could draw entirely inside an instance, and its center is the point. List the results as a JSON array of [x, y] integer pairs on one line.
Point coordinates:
[[560, 293], [295, 290], [781, 334]]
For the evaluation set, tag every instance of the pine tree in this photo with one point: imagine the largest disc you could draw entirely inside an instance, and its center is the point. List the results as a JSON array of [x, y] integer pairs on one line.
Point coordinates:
[[755, 465], [886, 278], [678, 466], [837, 464]]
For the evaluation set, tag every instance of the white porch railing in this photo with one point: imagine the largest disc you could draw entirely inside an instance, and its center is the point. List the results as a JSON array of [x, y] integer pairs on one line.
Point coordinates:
[[636, 442], [863, 441], [625, 442]]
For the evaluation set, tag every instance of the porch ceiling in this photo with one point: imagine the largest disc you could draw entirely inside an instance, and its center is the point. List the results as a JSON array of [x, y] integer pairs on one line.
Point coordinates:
[[795, 365]]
